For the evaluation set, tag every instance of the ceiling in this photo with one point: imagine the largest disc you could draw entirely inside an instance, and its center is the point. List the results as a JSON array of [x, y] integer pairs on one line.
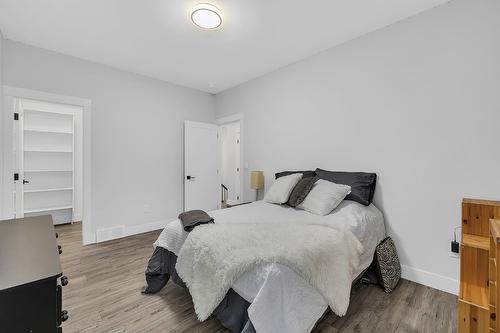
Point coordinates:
[[156, 37]]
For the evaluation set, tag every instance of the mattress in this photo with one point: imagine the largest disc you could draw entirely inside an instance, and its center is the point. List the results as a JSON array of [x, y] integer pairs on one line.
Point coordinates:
[[365, 222], [281, 301]]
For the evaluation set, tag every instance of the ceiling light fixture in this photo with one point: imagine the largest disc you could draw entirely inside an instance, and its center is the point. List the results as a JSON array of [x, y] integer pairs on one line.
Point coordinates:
[[206, 16]]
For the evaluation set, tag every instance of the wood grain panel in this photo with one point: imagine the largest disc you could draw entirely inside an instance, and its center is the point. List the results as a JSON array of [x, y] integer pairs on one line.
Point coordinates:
[[479, 242], [472, 318], [493, 270], [474, 276], [475, 219]]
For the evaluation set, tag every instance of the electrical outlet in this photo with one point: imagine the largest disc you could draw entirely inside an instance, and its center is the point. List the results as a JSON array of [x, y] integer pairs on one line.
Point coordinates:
[[455, 247]]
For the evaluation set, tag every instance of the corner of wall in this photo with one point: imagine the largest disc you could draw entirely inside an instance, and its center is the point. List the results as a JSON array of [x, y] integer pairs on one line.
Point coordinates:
[[1, 120]]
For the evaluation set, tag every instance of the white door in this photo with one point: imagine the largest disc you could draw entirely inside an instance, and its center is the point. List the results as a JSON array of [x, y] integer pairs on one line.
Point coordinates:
[[44, 160], [201, 161], [238, 167]]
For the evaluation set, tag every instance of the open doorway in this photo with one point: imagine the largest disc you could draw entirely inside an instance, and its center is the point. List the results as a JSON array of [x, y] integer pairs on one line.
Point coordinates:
[[230, 160], [214, 167], [46, 169], [232, 165]]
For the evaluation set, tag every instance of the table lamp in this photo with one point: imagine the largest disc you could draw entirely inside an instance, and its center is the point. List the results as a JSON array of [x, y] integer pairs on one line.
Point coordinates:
[[257, 182]]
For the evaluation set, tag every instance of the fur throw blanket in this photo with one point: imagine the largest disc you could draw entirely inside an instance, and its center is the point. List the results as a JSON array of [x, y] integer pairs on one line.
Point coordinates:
[[213, 257]]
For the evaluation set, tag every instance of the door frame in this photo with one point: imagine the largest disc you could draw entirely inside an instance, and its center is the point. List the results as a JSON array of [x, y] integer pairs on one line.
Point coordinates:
[[243, 167], [77, 154], [11, 94]]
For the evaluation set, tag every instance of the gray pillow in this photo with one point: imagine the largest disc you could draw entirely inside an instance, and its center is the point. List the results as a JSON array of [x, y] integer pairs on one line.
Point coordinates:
[[305, 174], [362, 184], [300, 191]]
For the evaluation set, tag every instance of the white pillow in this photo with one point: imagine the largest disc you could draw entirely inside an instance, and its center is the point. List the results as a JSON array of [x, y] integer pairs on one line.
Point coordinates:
[[324, 197], [281, 189]]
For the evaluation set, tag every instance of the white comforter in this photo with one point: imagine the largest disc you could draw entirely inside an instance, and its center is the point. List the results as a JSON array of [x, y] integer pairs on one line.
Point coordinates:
[[281, 300], [213, 257]]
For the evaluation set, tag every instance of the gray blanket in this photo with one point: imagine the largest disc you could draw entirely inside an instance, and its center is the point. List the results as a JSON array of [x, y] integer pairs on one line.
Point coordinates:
[[193, 218]]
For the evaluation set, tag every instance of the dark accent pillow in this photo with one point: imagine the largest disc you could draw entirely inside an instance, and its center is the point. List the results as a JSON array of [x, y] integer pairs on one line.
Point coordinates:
[[305, 174], [387, 265], [300, 191], [362, 184]]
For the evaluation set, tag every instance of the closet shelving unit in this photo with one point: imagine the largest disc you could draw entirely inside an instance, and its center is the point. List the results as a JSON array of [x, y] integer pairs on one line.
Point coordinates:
[[48, 163]]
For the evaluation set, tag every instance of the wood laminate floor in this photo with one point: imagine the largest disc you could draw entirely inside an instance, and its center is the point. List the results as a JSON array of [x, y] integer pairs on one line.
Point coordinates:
[[103, 295]]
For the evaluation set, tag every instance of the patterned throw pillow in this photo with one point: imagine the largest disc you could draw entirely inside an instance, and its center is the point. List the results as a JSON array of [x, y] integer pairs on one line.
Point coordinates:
[[300, 191], [387, 265]]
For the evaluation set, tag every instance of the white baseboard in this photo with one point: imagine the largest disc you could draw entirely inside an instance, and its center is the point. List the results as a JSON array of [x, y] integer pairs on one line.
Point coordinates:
[[430, 279], [147, 227], [89, 238], [107, 234]]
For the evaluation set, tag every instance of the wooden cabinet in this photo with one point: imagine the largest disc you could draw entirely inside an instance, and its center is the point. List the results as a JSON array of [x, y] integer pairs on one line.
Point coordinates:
[[478, 266], [493, 269], [31, 278]]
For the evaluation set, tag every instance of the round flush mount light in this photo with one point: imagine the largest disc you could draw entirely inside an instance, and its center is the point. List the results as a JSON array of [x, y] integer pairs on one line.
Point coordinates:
[[206, 16]]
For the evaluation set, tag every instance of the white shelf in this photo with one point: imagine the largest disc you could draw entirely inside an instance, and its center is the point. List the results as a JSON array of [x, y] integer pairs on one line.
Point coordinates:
[[45, 111], [48, 209], [54, 131], [49, 190], [47, 151], [60, 170], [47, 146]]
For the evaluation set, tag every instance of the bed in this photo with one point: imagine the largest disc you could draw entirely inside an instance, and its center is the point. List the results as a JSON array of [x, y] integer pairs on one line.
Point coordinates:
[[271, 297]]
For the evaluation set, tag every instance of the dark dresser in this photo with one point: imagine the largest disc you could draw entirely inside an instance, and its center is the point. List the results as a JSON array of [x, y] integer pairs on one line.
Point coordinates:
[[31, 277]]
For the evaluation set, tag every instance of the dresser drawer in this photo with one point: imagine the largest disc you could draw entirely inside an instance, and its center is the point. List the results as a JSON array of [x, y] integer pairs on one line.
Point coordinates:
[[31, 307]]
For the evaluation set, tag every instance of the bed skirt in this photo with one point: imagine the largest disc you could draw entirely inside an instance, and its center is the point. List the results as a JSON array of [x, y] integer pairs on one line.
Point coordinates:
[[232, 310]]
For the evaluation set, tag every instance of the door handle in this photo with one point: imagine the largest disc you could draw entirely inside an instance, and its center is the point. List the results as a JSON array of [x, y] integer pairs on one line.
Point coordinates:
[[25, 181], [190, 177]]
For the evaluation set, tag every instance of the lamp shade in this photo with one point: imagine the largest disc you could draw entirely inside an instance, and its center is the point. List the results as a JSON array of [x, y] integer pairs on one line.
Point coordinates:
[[257, 180]]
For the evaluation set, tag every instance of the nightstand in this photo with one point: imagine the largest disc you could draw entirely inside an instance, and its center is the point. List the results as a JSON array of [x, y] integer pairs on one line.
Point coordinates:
[[477, 300]]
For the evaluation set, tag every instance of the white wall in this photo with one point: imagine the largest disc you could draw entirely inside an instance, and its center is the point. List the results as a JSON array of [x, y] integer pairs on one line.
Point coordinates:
[[1, 120], [137, 149], [417, 102]]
